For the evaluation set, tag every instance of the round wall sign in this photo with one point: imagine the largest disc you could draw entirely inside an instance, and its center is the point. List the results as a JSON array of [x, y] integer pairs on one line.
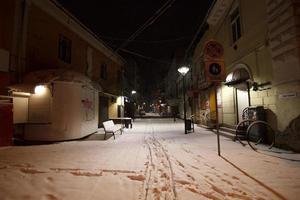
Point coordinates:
[[214, 49]]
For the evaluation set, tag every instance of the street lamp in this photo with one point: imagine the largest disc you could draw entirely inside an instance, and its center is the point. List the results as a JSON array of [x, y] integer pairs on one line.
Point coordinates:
[[183, 71], [133, 92]]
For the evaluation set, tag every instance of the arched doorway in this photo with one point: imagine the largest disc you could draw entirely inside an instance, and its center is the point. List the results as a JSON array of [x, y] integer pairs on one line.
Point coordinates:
[[240, 78]]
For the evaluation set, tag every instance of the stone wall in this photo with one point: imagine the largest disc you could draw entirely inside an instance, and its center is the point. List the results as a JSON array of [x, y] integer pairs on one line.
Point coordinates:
[[284, 31]]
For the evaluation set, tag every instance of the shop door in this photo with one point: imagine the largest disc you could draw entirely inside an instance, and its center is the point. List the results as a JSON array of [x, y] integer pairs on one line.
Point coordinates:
[[242, 103], [103, 110]]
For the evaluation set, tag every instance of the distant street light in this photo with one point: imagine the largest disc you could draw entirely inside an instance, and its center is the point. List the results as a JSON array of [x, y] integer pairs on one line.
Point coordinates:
[[183, 71], [133, 92]]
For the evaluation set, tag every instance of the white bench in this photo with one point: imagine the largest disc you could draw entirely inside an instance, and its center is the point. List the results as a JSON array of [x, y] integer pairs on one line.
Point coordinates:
[[110, 127]]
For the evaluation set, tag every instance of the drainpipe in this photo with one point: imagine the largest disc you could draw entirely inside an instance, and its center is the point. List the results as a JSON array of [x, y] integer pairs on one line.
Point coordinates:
[[248, 89], [236, 106]]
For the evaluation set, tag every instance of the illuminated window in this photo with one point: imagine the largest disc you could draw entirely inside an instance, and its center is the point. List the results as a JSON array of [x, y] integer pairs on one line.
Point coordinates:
[[64, 49], [235, 20]]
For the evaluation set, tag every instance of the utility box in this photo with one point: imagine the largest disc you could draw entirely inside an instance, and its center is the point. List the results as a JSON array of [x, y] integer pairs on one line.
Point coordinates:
[[6, 121]]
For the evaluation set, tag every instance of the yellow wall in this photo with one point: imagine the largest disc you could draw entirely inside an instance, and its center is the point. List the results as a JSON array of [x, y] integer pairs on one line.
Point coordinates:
[[113, 107], [212, 104], [112, 110], [228, 105], [288, 108], [252, 51]]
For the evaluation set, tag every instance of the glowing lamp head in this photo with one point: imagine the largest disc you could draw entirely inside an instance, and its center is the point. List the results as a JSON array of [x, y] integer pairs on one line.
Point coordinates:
[[40, 89], [133, 92], [183, 70]]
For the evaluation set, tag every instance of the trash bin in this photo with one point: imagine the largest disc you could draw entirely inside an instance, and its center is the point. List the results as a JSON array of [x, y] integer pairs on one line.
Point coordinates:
[[6, 122], [188, 124]]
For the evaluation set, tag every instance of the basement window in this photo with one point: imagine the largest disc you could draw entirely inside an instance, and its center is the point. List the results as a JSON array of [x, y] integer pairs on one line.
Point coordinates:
[[64, 49]]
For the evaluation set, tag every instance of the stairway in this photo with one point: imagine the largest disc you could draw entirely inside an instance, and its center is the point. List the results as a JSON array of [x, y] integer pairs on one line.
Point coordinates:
[[225, 130], [228, 132]]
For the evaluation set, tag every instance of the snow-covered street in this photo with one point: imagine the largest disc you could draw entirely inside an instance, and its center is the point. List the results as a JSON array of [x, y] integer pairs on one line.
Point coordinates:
[[154, 160]]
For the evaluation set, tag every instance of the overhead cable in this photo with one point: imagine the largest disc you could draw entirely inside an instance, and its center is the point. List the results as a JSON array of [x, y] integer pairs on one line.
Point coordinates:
[[146, 41], [145, 57], [149, 22]]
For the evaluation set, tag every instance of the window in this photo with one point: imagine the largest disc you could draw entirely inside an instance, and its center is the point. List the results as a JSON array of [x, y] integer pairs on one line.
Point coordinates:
[[103, 72], [64, 49], [235, 20]]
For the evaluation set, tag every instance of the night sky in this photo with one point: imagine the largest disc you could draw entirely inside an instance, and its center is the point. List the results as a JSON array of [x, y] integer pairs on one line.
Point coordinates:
[[115, 20]]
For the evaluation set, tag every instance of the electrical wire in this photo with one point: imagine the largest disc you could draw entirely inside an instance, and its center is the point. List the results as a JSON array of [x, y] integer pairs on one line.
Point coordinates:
[[145, 57], [150, 42], [149, 22]]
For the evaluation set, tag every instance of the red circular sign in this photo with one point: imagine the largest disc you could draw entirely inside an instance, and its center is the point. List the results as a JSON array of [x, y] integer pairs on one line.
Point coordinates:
[[214, 50]]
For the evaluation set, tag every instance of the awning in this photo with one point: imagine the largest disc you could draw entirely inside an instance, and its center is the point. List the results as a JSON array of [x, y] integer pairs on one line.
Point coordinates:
[[239, 78]]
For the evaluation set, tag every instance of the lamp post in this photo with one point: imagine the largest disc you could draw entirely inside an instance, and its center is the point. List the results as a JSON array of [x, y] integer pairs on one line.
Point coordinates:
[[183, 71], [133, 104]]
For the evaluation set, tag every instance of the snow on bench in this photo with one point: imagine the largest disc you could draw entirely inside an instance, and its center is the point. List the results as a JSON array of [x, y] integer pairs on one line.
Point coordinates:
[[110, 127]]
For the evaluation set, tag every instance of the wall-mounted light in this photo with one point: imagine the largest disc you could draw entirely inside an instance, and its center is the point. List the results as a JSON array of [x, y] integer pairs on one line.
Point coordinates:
[[133, 92], [40, 89]]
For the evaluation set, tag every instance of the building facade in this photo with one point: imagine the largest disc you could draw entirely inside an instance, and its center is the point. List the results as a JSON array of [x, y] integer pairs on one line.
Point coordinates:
[[261, 54], [42, 43], [174, 87]]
